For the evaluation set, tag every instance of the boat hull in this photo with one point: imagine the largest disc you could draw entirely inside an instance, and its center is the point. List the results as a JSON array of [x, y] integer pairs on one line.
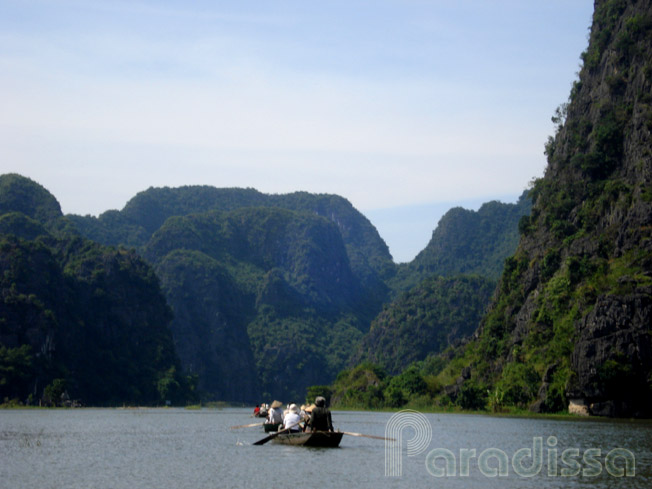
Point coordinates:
[[328, 439]]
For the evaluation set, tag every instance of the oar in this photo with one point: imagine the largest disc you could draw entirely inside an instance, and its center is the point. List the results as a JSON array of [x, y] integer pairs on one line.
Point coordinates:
[[246, 425], [274, 435], [367, 436]]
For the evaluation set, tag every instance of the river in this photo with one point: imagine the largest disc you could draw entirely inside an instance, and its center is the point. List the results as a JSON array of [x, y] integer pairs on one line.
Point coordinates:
[[196, 449]]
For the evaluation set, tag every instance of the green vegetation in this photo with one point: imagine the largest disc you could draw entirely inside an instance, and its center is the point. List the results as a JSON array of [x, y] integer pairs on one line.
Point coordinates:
[[283, 292], [318, 390], [426, 320], [361, 387], [148, 211], [572, 312], [258, 286], [469, 243], [16, 370], [79, 320], [265, 292], [22, 195], [605, 19]]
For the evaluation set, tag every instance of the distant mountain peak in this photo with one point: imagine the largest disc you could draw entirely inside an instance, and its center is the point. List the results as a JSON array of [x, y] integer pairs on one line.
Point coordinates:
[[21, 194]]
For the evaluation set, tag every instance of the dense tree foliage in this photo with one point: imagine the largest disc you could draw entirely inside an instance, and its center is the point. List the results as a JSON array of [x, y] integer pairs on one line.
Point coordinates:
[[147, 212], [468, 242], [277, 288], [276, 291], [426, 320], [24, 196], [264, 291], [77, 316], [369, 386]]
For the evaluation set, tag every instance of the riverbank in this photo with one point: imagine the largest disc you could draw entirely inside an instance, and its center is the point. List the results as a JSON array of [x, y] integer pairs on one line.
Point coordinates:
[[219, 405]]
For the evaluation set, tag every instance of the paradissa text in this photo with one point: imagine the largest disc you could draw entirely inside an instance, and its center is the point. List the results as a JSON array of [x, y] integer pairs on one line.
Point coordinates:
[[528, 462]]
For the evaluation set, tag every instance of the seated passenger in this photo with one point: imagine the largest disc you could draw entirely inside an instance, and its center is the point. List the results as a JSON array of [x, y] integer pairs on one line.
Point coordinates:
[[275, 415], [292, 420]]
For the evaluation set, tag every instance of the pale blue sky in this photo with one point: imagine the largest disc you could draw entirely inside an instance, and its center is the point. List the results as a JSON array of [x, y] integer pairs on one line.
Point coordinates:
[[403, 107]]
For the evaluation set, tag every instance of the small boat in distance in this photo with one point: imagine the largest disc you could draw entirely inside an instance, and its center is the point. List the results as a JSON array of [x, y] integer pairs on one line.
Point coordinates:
[[261, 410], [328, 439]]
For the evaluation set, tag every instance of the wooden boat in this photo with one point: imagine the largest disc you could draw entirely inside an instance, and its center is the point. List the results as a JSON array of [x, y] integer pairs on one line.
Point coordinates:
[[330, 439], [271, 427]]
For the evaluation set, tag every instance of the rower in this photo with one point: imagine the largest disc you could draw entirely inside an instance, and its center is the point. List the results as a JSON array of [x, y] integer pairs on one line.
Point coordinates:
[[320, 417]]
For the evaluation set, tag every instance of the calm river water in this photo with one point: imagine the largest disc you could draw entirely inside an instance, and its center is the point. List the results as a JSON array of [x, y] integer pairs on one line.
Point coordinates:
[[196, 449]]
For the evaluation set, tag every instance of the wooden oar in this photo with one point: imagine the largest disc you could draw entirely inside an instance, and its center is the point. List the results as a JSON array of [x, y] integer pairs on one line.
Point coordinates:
[[367, 436], [247, 425], [274, 435]]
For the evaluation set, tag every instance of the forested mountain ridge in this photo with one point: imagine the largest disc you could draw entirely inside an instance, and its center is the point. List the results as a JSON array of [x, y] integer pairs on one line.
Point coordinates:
[[148, 210], [467, 242], [262, 288], [571, 324], [304, 276], [279, 285], [20, 195], [294, 280], [75, 316], [473, 242]]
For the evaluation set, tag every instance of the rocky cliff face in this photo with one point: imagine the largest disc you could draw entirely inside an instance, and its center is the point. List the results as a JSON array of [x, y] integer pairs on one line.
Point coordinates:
[[574, 308], [605, 147]]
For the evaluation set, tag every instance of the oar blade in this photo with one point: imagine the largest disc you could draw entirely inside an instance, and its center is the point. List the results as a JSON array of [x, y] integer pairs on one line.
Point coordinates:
[[264, 440]]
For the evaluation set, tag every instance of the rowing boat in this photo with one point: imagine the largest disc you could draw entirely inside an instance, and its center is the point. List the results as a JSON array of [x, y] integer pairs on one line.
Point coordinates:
[[311, 439], [271, 427]]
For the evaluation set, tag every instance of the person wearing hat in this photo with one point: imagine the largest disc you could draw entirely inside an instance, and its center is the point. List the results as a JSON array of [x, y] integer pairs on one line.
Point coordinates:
[[275, 415], [292, 419], [307, 410], [320, 416]]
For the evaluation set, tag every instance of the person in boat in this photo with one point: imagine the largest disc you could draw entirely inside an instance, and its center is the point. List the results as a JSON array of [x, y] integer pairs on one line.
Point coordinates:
[[320, 416], [257, 410], [292, 420], [275, 415]]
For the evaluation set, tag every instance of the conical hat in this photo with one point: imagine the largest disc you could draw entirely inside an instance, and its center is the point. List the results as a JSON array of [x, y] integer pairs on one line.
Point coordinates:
[[276, 404]]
